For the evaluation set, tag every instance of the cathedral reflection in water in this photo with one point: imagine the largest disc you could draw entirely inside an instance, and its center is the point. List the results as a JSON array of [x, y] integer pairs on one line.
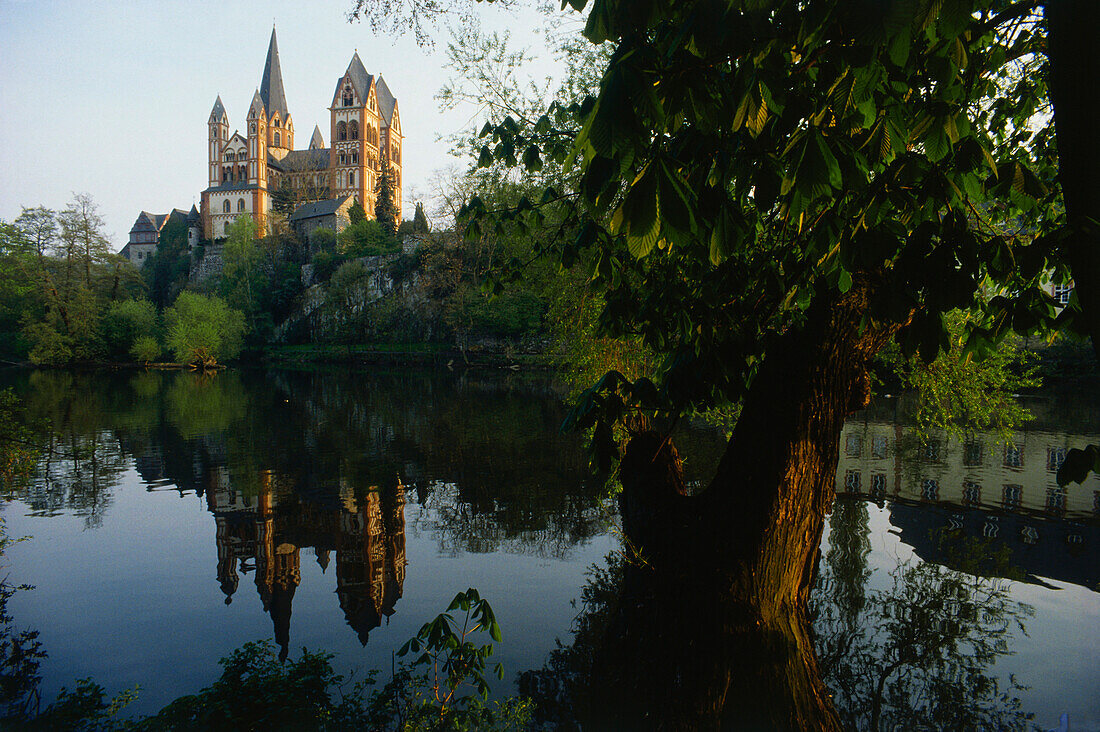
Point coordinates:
[[264, 534]]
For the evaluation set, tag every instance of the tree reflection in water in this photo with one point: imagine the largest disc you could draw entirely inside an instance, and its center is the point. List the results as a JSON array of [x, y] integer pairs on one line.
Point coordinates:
[[917, 653]]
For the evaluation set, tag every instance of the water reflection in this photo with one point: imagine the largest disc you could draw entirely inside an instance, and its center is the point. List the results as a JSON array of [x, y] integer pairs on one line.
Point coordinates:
[[335, 474], [984, 487], [323, 464], [266, 533], [918, 653]]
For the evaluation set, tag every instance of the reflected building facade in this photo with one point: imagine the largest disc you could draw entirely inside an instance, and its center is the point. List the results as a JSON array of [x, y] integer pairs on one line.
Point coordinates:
[[264, 534], [983, 487]]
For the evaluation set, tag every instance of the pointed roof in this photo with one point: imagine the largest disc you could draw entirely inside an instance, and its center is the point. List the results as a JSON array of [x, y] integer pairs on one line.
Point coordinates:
[[316, 142], [271, 87], [386, 100], [360, 79], [256, 108], [219, 109]]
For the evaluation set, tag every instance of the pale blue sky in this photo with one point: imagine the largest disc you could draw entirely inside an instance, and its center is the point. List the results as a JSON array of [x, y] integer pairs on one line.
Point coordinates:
[[112, 98]]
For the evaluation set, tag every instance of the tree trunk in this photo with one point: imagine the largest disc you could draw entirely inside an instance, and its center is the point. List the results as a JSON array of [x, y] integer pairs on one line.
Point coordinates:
[[1074, 68], [713, 628]]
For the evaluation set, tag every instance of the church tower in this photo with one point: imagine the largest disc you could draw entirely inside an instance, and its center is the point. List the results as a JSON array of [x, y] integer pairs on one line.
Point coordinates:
[[257, 157], [353, 155], [280, 126], [218, 126]]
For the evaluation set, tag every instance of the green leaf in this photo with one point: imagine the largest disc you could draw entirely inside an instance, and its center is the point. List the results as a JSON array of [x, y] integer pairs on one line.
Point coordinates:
[[844, 282], [485, 160], [531, 159]]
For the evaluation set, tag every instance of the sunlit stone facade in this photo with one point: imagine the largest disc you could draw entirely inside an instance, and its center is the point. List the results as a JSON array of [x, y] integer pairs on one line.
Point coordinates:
[[247, 171]]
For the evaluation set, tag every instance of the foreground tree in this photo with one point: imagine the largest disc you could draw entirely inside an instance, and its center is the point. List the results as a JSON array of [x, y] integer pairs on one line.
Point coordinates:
[[770, 193]]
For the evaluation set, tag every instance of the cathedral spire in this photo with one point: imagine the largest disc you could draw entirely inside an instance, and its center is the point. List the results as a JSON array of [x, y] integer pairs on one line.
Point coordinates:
[[316, 142], [271, 87]]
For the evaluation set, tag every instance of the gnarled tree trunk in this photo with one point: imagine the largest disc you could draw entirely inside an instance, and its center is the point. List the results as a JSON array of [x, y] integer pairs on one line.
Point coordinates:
[[712, 629]]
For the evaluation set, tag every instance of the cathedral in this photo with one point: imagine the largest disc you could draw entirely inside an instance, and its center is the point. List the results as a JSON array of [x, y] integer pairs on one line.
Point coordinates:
[[260, 172]]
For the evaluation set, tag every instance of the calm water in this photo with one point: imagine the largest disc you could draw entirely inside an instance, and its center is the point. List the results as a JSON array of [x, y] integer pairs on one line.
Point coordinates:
[[182, 516]]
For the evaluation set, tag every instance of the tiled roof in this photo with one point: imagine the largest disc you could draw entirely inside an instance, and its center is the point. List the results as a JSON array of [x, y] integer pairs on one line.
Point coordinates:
[[386, 100], [219, 109], [271, 87], [360, 79], [300, 160], [316, 142], [320, 208]]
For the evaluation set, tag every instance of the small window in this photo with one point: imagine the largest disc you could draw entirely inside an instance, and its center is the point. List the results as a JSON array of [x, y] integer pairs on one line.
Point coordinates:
[[853, 444], [278, 140], [225, 207], [932, 451], [227, 228], [240, 205], [972, 454], [878, 485], [1014, 456], [1062, 293], [878, 447], [1055, 457], [852, 480], [972, 493], [1011, 495], [1056, 501], [930, 489], [341, 130], [351, 178], [353, 130]]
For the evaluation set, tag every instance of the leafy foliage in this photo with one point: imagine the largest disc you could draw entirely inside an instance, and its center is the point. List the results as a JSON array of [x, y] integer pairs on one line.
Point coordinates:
[[960, 394], [202, 328], [743, 163]]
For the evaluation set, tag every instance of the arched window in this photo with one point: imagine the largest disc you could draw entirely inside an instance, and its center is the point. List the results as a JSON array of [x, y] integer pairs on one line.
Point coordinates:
[[225, 207], [348, 98], [341, 131], [278, 140], [243, 170], [240, 205], [275, 121], [353, 130], [227, 223], [351, 178]]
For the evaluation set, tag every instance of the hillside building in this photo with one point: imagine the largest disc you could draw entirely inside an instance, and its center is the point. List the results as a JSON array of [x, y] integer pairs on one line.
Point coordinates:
[[259, 172]]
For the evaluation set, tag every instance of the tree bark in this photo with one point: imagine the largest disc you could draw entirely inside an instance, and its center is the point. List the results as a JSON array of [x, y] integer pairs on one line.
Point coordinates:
[[1074, 69], [712, 630]]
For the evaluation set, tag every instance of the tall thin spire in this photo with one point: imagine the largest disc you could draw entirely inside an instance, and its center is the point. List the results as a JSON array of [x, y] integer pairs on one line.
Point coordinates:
[[271, 87]]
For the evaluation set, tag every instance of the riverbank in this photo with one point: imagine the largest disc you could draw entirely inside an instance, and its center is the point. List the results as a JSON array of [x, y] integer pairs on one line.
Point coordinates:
[[409, 354]]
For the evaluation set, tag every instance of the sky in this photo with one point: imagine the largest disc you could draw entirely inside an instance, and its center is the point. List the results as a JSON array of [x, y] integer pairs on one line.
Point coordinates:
[[112, 98]]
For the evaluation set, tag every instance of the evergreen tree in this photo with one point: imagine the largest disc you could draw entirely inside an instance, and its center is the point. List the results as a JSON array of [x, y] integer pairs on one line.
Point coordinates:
[[356, 213], [385, 212], [420, 220]]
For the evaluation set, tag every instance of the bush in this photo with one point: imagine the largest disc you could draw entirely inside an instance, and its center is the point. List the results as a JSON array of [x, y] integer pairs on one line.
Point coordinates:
[[201, 328], [125, 322], [367, 239], [145, 349]]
